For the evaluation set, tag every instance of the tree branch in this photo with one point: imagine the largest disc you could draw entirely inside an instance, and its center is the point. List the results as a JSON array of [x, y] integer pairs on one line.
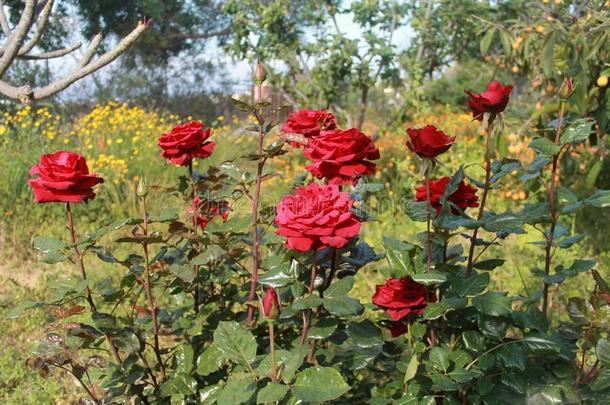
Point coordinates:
[[6, 28], [15, 39], [58, 53], [40, 27]]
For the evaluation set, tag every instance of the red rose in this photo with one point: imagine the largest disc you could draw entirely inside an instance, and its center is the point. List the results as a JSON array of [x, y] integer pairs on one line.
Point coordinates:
[[63, 177], [402, 297], [185, 142], [208, 209], [309, 122], [465, 196], [341, 156], [315, 217], [271, 304], [493, 100], [428, 142]]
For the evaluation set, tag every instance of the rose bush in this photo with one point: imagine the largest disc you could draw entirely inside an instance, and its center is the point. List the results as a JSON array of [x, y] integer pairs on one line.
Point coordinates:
[[257, 308]]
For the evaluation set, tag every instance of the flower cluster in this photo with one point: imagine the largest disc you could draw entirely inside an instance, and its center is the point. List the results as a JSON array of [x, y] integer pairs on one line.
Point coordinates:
[[339, 156]]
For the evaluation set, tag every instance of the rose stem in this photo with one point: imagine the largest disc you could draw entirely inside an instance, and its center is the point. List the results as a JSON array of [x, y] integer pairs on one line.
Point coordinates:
[[485, 191], [255, 199], [194, 232], [429, 219], [307, 314], [149, 296], [552, 186], [81, 267], [272, 351]]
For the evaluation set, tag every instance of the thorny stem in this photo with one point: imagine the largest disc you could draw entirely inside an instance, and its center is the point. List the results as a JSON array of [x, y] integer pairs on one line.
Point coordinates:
[[429, 219], [552, 186], [255, 200], [89, 391], [485, 191], [272, 351], [149, 296], [83, 273], [194, 232], [307, 314]]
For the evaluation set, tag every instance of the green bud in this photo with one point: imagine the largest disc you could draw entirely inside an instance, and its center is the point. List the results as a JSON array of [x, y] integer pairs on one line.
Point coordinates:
[[142, 189]]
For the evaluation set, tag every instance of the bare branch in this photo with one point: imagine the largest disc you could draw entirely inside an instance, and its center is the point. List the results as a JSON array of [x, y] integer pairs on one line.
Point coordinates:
[[52, 54], [80, 72], [6, 28], [40, 27], [16, 38], [90, 52]]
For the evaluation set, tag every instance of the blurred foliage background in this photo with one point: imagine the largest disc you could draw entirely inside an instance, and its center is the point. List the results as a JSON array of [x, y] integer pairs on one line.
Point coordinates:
[[379, 65]]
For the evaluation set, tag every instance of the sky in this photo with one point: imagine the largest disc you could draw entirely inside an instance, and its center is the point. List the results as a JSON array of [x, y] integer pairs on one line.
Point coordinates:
[[236, 72]]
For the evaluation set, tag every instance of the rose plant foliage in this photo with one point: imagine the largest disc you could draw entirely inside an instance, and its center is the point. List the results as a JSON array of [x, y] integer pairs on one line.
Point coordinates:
[[208, 305]]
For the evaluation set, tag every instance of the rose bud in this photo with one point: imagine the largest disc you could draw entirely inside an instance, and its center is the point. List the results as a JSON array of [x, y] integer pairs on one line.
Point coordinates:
[[63, 177], [566, 89], [428, 142], [493, 100], [142, 189], [260, 74], [186, 142], [270, 306], [465, 196]]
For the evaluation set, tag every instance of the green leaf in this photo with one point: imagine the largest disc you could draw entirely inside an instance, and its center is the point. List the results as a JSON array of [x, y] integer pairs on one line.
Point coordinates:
[[545, 146], [411, 370], [602, 351], [209, 394], [184, 359], [439, 358], [209, 361], [239, 390], [180, 383], [272, 392], [319, 384], [473, 341], [470, 286], [548, 54], [542, 344], [280, 276], [488, 264], [599, 199], [434, 310], [294, 362], [211, 254], [364, 334], [235, 343], [323, 328], [577, 132], [338, 303], [431, 278], [399, 255], [492, 303], [502, 222], [602, 382], [486, 40], [512, 356], [48, 244]]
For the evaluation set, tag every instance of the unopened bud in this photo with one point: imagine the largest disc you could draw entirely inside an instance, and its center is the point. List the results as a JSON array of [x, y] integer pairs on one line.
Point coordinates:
[[566, 90], [270, 306], [260, 74], [142, 189]]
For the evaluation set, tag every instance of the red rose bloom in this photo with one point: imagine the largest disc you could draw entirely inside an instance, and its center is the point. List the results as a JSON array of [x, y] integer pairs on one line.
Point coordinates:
[[341, 156], [465, 196], [428, 142], [271, 304], [185, 142], [308, 123], [63, 177], [402, 297], [493, 100], [315, 217], [208, 210]]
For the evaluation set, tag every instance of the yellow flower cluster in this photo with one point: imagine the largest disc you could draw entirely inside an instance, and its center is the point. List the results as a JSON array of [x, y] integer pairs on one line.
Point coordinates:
[[38, 122], [109, 166]]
